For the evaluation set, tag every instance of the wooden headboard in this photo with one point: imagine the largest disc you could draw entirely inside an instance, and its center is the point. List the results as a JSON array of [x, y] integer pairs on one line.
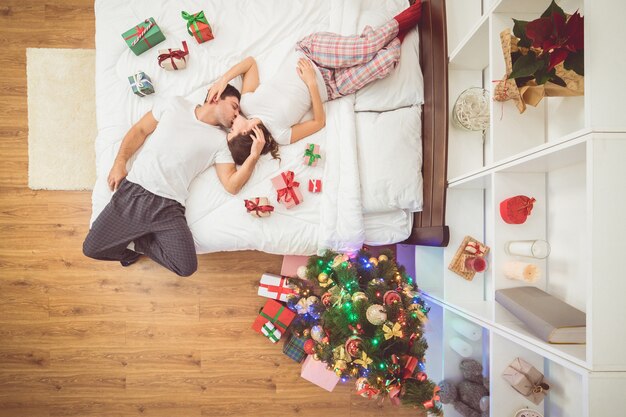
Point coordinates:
[[429, 226]]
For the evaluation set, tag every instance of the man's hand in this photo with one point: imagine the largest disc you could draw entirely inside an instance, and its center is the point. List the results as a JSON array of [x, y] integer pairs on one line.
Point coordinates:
[[117, 174], [306, 72], [258, 141], [216, 90]]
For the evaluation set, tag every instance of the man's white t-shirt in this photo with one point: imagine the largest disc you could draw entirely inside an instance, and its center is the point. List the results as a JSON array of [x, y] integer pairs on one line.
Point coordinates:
[[283, 100], [180, 148]]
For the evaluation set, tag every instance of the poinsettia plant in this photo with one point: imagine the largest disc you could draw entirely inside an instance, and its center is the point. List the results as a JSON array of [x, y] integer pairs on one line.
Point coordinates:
[[546, 42]]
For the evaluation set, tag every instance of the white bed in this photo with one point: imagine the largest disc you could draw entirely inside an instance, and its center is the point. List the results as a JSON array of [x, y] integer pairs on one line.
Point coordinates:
[[371, 182]]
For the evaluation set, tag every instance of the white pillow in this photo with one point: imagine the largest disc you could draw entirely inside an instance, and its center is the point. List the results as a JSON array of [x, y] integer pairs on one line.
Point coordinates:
[[403, 87], [390, 159]]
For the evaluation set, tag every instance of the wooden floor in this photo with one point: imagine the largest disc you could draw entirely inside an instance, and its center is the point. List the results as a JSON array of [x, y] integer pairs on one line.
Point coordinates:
[[85, 338]]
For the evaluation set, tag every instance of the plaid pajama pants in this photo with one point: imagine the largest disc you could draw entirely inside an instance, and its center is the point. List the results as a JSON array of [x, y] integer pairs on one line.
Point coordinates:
[[156, 224], [348, 63]]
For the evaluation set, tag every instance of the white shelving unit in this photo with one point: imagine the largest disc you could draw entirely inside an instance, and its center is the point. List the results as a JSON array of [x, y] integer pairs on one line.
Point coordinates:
[[570, 155]]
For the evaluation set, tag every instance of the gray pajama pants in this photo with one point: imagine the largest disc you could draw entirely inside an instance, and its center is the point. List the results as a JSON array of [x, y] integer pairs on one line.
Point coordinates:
[[156, 224]]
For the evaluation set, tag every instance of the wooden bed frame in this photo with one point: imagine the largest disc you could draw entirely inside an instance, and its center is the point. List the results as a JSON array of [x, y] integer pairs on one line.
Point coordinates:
[[429, 227]]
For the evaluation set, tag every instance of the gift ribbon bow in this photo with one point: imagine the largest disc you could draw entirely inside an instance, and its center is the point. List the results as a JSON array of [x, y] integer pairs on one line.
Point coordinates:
[[271, 332], [433, 401], [193, 19], [364, 361], [475, 248], [392, 331], [279, 289], [174, 54], [275, 320], [287, 192], [368, 390], [253, 205], [138, 81], [528, 206], [140, 33], [310, 152]]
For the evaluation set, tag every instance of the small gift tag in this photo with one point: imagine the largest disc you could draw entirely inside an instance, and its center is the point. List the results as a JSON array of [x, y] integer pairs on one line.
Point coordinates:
[[315, 186], [173, 59], [259, 207]]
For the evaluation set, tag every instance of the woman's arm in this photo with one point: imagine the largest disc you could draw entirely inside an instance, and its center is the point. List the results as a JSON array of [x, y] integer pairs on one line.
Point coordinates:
[[234, 179], [304, 129], [247, 68]]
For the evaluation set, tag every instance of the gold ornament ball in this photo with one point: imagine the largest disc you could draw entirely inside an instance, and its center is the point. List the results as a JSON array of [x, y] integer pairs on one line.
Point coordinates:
[[306, 333], [322, 277], [359, 296], [374, 261], [382, 258]]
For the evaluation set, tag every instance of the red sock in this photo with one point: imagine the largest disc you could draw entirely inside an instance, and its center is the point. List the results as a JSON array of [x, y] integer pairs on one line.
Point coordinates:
[[409, 18]]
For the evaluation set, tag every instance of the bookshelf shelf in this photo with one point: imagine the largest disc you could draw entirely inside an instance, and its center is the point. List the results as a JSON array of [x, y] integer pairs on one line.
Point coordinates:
[[567, 153]]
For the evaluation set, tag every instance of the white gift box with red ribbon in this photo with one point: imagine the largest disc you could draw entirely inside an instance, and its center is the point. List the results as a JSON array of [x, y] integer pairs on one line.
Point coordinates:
[[275, 286]]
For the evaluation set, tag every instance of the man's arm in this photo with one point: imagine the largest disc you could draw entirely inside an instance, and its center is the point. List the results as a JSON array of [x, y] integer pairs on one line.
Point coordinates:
[[133, 140], [234, 179]]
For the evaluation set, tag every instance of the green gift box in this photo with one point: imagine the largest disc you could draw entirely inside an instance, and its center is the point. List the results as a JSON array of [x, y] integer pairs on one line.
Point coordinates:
[[143, 36]]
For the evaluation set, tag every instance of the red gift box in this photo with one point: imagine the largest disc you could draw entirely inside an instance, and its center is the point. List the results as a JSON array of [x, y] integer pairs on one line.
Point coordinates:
[[198, 26], [288, 190], [276, 313], [315, 186], [516, 209]]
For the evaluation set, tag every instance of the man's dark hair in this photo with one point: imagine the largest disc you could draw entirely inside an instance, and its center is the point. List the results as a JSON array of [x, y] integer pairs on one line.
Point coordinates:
[[229, 91], [241, 145]]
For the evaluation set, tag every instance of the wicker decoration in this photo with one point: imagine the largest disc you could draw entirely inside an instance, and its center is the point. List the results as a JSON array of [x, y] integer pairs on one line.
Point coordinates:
[[471, 110]]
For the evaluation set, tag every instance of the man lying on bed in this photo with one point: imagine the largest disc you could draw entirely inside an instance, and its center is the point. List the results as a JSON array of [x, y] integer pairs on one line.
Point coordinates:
[[147, 209], [328, 66]]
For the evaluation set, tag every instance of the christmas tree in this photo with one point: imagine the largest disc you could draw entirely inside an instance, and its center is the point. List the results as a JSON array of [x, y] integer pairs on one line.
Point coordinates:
[[365, 317]]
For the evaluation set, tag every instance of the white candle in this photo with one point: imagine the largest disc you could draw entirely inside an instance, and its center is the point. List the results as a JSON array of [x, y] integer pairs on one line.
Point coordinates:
[[539, 249], [467, 329], [461, 347], [521, 271]]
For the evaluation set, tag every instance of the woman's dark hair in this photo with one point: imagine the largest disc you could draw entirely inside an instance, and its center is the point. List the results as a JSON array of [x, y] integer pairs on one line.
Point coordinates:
[[240, 146]]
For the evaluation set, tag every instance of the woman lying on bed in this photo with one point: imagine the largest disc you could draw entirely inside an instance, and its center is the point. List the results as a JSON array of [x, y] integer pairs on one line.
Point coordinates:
[[328, 66]]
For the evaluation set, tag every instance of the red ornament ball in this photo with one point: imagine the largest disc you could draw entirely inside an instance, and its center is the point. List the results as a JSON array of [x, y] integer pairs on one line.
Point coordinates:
[[309, 347], [391, 296]]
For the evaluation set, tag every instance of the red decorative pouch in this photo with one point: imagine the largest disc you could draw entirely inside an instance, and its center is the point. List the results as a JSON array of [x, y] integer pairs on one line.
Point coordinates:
[[516, 209]]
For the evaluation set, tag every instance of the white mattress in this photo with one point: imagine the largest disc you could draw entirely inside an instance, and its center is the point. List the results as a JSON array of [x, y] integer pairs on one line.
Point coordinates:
[[266, 30]]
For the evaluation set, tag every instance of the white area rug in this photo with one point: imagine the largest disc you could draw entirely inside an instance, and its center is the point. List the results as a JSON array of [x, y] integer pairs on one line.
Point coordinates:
[[61, 118]]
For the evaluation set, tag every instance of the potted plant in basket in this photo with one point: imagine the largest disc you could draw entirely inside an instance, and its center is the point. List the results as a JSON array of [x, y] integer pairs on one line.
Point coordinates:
[[543, 57]]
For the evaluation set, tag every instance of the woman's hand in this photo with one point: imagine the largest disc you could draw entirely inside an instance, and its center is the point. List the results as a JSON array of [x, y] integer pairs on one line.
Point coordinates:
[[216, 90], [116, 175], [258, 142], [306, 72]]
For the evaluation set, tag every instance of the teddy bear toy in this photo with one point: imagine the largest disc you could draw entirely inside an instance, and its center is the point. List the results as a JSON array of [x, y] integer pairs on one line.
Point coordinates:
[[470, 397]]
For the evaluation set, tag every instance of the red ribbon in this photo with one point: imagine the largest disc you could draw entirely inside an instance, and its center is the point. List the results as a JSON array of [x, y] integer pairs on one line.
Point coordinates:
[[174, 54], [368, 390], [279, 289], [253, 205], [528, 206], [287, 193], [140, 32], [431, 403]]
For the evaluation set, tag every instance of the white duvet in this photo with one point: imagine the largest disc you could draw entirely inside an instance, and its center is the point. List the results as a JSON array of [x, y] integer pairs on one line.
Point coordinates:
[[266, 30]]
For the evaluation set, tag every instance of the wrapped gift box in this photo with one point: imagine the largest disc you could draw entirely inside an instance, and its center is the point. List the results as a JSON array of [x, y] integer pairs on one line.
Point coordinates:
[[291, 263], [276, 313], [312, 154], [259, 207], [515, 210], [275, 286], [173, 59], [288, 190], [271, 332], [141, 84], [143, 36], [317, 373], [294, 348], [198, 26], [526, 380], [315, 186]]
